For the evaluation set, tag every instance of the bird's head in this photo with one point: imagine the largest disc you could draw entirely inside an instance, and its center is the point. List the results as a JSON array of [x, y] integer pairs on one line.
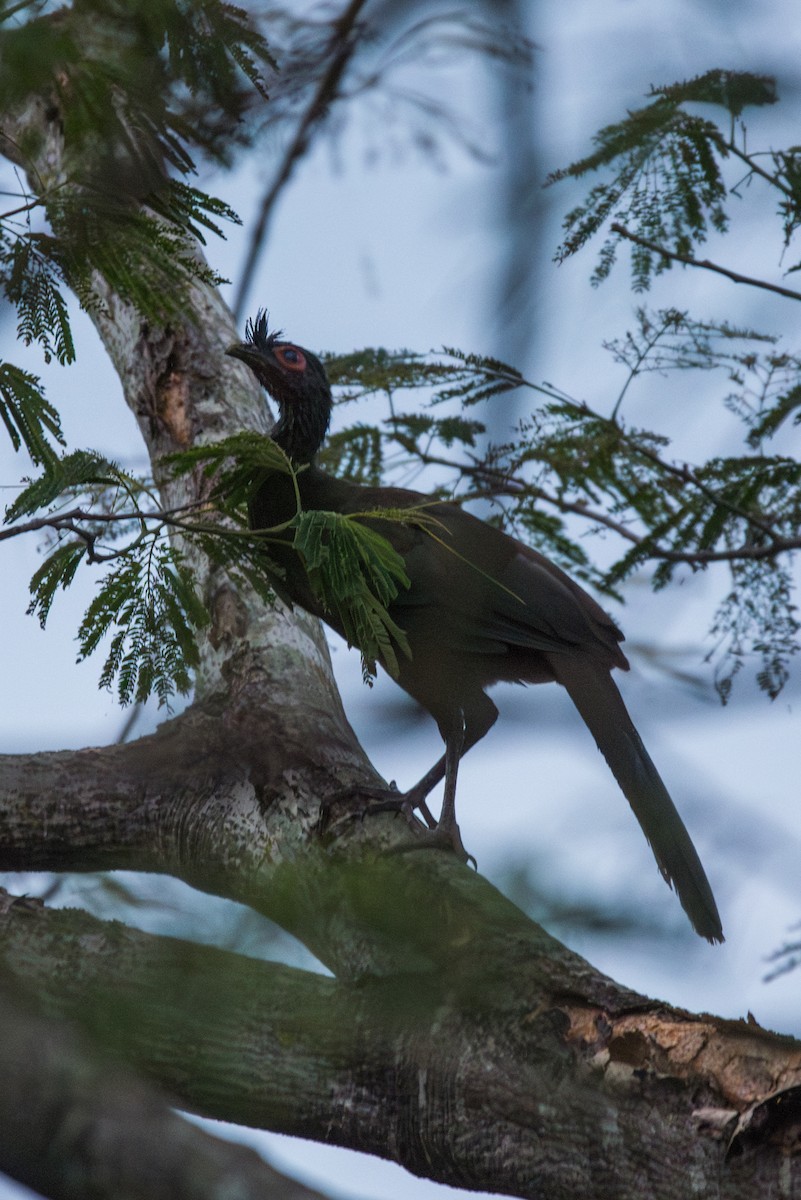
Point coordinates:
[[297, 382]]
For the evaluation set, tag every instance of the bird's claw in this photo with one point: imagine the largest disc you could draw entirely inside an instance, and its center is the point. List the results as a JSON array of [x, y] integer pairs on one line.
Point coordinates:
[[440, 837], [429, 834], [382, 799]]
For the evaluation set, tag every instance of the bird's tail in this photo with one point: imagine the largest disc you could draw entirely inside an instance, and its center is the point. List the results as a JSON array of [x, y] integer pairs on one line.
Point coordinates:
[[595, 695]]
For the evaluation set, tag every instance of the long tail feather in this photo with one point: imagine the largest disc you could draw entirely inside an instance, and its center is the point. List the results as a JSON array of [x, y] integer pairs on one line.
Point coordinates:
[[595, 695]]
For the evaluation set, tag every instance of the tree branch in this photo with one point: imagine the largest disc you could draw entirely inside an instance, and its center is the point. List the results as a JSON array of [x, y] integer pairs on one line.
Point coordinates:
[[341, 47], [504, 482], [72, 1124], [493, 1071], [702, 262]]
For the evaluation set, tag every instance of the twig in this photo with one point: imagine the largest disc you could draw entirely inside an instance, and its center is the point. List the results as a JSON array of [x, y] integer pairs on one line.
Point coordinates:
[[700, 558], [323, 96], [13, 212], [704, 263], [732, 148]]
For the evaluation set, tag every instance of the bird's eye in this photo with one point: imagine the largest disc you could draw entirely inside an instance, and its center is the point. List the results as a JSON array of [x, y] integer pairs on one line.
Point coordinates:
[[291, 357]]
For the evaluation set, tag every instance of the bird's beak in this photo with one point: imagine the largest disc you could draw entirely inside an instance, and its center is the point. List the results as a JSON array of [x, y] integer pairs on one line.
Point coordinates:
[[247, 353]]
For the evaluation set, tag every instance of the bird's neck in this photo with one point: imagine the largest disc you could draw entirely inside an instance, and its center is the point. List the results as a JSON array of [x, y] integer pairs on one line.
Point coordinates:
[[301, 429]]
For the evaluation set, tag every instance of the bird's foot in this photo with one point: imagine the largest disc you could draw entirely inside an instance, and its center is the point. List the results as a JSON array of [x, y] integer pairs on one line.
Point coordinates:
[[386, 799], [408, 804], [429, 834], [440, 836]]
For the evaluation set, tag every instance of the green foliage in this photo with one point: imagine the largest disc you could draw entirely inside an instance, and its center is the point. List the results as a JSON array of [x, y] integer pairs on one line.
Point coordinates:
[[235, 466], [130, 124], [178, 58], [149, 605], [29, 417], [356, 452], [451, 375], [353, 571], [30, 281], [667, 183], [410, 428], [56, 572], [756, 617], [146, 601], [356, 573], [60, 476]]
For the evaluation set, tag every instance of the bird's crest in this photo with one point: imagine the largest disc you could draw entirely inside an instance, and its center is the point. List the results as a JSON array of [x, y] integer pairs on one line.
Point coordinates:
[[256, 333]]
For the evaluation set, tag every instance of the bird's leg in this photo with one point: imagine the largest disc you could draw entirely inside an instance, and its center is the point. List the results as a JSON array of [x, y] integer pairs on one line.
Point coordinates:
[[454, 748], [444, 834]]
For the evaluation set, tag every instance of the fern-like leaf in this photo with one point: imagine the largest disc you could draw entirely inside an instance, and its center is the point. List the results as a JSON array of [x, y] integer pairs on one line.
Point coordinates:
[[149, 605], [77, 470], [31, 281], [29, 417], [57, 571], [356, 573]]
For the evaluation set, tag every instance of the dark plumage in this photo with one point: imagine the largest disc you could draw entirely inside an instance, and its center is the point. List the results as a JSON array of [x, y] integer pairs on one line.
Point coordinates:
[[494, 610]]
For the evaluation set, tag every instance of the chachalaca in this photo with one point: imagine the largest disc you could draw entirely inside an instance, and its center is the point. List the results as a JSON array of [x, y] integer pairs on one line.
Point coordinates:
[[481, 607]]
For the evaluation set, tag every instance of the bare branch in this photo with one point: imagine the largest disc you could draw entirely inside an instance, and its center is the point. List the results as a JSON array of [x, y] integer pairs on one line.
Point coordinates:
[[341, 46], [704, 263]]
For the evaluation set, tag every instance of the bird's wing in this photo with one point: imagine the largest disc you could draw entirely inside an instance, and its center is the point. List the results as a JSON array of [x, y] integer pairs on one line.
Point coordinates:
[[540, 603], [491, 592], [514, 595]]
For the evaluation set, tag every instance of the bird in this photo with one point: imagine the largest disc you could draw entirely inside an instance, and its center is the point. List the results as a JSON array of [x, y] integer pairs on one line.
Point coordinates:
[[481, 607]]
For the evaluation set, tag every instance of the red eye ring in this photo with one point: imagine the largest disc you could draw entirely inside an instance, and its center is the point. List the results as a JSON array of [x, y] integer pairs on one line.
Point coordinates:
[[291, 357]]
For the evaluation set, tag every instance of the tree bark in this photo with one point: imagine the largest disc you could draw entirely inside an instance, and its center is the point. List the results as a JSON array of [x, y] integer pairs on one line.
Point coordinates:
[[534, 1077], [457, 1037]]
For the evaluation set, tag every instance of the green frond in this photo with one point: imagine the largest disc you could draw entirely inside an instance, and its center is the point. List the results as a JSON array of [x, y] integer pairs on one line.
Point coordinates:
[[665, 165], [757, 616], [79, 469], [29, 417], [356, 452], [57, 571], [31, 282], [236, 465], [732, 90], [469, 377], [356, 573], [149, 606]]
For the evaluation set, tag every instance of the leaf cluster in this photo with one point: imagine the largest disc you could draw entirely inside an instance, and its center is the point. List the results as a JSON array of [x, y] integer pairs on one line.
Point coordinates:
[[664, 165], [353, 571], [122, 207], [356, 574], [146, 603], [149, 607], [28, 416]]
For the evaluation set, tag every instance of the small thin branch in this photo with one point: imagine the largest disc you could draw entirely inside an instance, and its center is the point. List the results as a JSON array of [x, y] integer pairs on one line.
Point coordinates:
[[704, 263], [756, 169], [324, 95], [642, 354], [39, 202], [699, 558]]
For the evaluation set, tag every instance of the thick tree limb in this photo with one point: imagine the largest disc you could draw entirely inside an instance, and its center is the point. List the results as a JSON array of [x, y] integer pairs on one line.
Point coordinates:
[[535, 1078], [72, 1125]]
